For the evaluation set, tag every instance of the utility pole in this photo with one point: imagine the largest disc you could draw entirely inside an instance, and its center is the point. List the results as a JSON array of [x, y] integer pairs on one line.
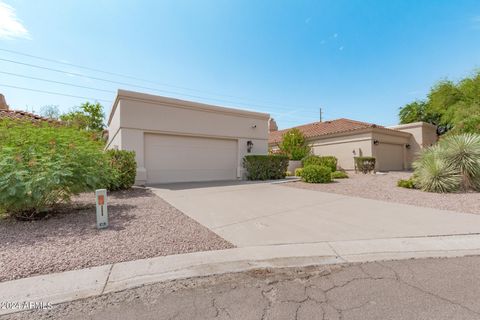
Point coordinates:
[[321, 112]]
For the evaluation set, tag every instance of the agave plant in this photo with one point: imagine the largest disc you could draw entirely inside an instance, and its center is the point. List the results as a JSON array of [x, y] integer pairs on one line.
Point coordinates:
[[434, 174], [462, 152]]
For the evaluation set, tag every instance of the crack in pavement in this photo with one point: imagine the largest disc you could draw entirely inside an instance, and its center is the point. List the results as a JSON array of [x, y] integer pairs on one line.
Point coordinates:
[[319, 292], [400, 280]]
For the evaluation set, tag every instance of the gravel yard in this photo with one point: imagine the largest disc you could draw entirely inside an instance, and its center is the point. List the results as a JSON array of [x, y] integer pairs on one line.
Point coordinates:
[[384, 187], [142, 225]]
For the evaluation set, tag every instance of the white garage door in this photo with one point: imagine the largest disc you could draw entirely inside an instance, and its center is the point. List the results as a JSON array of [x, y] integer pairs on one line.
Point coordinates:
[[170, 158], [389, 157]]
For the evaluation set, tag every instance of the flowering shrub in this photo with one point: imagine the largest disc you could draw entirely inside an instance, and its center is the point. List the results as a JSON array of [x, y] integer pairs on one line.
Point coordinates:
[[43, 165]]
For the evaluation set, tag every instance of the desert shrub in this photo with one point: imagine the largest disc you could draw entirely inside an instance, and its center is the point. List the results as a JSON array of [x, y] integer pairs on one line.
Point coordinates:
[[339, 175], [294, 145], [265, 167], [288, 173], [316, 174], [365, 164], [298, 172], [462, 153], [124, 169], [434, 174], [451, 165], [406, 183], [325, 161], [42, 165]]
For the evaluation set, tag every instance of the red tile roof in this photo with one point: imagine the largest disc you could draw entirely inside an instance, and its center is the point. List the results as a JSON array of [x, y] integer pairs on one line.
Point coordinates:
[[22, 115], [316, 129]]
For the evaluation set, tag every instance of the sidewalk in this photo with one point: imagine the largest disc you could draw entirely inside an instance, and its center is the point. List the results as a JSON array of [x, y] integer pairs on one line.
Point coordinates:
[[77, 284]]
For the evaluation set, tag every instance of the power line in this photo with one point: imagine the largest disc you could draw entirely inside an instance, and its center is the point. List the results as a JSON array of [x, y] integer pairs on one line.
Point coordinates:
[[248, 101], [58, 82], [129, 84], [97, 99], [53, 93]]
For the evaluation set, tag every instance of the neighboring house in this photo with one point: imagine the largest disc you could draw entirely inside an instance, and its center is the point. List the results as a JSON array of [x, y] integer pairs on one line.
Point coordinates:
[[7, 113], [394, 148], [178, 141]]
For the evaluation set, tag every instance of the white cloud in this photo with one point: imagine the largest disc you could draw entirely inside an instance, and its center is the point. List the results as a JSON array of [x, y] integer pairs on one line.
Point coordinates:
[[10, 26]]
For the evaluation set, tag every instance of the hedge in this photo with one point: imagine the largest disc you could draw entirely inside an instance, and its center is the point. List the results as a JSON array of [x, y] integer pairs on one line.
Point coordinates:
[[316, 174], [326, 161], [364, 164], [124, 169], [265, 167]]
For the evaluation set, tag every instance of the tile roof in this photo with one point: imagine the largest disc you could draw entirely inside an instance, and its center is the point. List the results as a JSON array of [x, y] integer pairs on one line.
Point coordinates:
[[22, 115], [323, 128]]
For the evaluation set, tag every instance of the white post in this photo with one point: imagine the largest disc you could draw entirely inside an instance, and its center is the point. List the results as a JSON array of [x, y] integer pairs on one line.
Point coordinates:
[[102, 212]]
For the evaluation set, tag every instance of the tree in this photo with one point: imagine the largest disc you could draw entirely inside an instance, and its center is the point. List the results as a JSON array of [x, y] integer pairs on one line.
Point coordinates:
[[50, 111], [294, 144], [453, 107], [412, 112], [88, 116]]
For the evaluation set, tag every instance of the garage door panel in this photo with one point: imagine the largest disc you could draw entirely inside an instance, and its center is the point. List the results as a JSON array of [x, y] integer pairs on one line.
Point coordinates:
[[390, 157], [170, 158]]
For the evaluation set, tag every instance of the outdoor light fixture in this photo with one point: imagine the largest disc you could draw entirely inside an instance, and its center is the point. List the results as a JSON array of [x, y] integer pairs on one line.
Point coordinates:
[[408, 146], [249, 146], [254, 126], [376, 142]]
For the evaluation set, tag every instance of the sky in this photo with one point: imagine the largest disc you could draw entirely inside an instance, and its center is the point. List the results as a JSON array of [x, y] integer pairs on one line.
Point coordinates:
[[357, 59]]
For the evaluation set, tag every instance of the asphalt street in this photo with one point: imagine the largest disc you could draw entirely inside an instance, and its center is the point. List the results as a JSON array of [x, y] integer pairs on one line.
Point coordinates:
[[408, 289]]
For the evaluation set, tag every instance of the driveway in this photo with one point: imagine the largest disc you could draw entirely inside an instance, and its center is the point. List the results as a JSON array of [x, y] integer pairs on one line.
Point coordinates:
[[253, 214]]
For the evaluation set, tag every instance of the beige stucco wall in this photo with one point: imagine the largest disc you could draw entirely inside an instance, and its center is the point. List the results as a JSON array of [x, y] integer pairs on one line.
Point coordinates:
[[343, 147], [422, 136], [134, 114], [346, 146]]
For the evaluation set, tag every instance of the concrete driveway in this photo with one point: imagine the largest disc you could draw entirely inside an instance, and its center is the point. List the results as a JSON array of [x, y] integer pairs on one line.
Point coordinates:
[[252, 214]]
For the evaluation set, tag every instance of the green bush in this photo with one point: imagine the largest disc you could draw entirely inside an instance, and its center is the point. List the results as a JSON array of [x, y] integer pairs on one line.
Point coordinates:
[[452, 165], [294, 145], [434, 174], [42, 165], [298, 172], [462, 153], [265, 167], [326, 161], [124, 169], [316, 174], [339, 175], [364, 164], [408, 183]]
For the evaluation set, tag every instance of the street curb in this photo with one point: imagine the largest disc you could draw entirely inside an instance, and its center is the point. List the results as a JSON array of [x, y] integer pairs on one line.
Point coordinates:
[[85, 283]]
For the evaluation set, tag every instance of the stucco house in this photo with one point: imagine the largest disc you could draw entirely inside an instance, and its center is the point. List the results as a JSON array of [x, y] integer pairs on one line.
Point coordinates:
[[177, 140], [394, 147]]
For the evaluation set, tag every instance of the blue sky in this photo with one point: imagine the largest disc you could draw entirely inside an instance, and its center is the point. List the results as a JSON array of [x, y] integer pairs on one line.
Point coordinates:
[[355, 59]]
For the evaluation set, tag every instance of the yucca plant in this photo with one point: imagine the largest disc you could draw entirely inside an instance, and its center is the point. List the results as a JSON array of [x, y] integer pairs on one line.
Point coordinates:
[[462, 152], [434, 174]]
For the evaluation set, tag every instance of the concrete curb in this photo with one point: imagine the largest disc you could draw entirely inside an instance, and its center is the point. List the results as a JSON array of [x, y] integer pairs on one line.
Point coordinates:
[[78, 284]]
